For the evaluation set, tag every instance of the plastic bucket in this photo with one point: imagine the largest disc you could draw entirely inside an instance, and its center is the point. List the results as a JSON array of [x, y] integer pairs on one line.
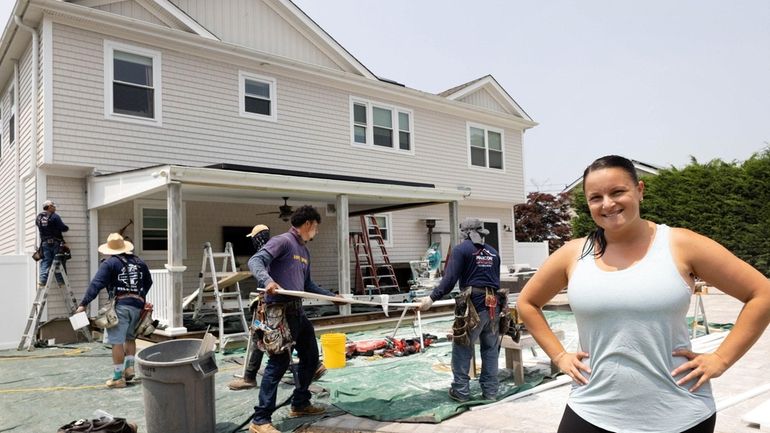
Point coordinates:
[[333, 346]]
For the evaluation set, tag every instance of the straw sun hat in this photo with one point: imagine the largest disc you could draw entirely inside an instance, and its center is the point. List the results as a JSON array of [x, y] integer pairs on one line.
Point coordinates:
[[116, 245]]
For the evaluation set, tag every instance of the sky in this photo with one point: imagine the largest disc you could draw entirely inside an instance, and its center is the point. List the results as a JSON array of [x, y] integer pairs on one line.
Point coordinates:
[[658, 81]]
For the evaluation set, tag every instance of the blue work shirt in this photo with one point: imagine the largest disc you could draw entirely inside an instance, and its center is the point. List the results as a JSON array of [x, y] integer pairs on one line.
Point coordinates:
[[130, 282], [473, 265], [286, 260], [50, 226]]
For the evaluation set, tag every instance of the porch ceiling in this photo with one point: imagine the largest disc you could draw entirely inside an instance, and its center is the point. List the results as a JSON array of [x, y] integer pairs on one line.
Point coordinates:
[[212, 184]]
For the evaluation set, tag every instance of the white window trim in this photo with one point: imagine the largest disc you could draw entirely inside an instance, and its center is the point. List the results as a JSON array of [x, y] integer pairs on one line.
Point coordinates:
[[388, 226], [242, 76], [468, 126], [370, 126], [109, 49], [139, 205]]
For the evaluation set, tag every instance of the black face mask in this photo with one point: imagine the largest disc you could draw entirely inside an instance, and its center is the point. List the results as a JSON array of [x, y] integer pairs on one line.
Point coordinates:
[[260, 239]]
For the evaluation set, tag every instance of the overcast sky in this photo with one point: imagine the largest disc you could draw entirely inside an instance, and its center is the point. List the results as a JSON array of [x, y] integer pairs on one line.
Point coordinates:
[[653, 80]]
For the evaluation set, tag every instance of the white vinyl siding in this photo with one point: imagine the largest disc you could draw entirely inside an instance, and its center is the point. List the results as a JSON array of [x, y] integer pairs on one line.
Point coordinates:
[[132, 83], [482, 98], [258, 96], [485, 147], [200, 109], [381, 126]]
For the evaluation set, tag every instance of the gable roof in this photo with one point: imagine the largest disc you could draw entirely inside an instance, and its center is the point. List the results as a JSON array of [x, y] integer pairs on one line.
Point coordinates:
[[642, 169], [491, 88]]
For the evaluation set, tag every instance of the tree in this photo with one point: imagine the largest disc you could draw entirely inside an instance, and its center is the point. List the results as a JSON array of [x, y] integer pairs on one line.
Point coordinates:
[[544, 217]]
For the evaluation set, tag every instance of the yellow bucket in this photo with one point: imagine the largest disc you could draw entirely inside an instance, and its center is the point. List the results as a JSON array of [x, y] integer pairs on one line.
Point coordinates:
[[333, 346]]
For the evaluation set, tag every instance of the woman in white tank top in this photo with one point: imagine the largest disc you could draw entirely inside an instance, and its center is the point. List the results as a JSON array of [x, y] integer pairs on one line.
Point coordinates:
[[629, 286]]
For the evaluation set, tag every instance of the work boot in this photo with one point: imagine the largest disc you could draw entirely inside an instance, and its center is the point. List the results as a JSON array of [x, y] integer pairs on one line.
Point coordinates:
[[242, 383], [457, 397], [116, 383], [128, 373], [319, 372], [262, 428], [306, 411]]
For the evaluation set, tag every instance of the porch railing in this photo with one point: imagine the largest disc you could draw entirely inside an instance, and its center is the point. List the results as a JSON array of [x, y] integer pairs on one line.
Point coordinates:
[[160, 296]]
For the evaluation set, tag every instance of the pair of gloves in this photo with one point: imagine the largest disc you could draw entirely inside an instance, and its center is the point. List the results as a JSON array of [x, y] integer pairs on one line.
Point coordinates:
[[425, 303]]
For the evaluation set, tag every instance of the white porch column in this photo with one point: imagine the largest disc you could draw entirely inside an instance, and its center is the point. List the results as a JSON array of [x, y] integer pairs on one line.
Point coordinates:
[[175, 264], [343, 250], [454, 223], [93, 249]]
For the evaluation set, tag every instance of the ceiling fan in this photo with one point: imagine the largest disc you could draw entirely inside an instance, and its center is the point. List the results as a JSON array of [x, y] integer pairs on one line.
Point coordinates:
[[284, 211]]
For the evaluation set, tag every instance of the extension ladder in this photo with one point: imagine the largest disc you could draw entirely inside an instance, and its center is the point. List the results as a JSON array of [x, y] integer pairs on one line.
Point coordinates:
[[217, 283], [56, 272], [370, 269]]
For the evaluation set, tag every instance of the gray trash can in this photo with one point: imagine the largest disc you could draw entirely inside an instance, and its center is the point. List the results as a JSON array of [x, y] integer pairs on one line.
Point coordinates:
[[178, 387]]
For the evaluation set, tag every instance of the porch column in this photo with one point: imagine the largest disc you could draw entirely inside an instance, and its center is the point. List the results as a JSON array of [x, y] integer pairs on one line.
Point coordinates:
[[175, 265], [454, 223], [343, 250], [93, 249]]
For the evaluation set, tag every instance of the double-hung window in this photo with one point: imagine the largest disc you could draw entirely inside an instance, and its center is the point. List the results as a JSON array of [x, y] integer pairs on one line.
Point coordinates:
[[381, 126], [384, 223], [132, 83], [485, 147], [257, 96], [152, 237]]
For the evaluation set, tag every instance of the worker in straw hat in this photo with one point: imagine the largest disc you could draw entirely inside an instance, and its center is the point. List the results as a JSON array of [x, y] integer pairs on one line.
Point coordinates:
[[127, 279]]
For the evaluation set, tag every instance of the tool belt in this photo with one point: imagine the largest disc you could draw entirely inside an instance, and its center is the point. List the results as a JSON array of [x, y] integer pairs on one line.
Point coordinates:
[[272, 333], [466, 318]]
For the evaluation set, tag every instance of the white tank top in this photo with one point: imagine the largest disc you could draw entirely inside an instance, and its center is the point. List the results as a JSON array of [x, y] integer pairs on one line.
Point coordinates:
[[630, 321]]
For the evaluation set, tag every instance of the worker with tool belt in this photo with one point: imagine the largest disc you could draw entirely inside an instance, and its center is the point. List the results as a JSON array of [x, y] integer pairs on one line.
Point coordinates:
[[477, 309]]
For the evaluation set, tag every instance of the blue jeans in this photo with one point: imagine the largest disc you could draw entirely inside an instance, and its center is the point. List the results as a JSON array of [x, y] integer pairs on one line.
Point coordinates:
[[307, 350], [49, 253], [488, 333], [254, 361]]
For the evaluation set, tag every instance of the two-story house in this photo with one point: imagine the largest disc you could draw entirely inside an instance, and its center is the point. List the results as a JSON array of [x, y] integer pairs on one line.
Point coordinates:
[[193, 118]]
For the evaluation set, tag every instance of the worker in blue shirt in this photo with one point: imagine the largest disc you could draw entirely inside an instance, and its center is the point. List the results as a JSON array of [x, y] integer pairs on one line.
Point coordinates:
[[127, 279], [50, 226], [477, 309]]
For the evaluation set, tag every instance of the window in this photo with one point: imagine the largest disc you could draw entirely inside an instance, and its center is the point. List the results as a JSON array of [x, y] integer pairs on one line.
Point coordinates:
[[485, 147], [381, 126], [257, 96], [132, 83], [384, 223], [12, 118], [151, 231]]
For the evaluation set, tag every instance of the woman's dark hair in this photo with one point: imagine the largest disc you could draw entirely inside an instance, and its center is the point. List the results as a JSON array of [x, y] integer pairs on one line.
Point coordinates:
[[596, 243], [304, 214]]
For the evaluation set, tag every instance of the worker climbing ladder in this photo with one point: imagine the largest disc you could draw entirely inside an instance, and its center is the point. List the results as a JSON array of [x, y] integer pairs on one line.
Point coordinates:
[[373, 267], [223, 286], [55, 274]]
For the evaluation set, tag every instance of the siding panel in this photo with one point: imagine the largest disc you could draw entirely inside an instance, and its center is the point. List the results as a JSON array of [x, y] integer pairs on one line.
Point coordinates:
[[483, 99]]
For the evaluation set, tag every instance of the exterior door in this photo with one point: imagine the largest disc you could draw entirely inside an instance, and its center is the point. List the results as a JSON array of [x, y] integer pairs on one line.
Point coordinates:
[[493, 238]]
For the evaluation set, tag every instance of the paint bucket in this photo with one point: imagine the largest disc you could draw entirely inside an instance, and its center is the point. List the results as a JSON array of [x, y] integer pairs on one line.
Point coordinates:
[[333, 346]]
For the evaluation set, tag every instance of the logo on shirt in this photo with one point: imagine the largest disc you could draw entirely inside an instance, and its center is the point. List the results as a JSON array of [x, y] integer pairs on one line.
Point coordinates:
[[130, 276], [484, 258], [300, 259]]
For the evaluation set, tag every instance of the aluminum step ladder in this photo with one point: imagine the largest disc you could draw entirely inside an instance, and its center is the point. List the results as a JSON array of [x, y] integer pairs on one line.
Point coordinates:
[[56, 273], [209, 285]]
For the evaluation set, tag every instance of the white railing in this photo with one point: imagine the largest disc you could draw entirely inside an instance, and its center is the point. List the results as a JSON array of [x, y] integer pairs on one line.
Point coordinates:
[[160, 296]]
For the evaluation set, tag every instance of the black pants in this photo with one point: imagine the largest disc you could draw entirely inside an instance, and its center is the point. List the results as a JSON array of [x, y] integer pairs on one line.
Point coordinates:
[[572, 423]]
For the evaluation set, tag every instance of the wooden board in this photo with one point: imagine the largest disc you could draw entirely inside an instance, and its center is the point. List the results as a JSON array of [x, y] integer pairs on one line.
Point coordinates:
[[229, 280], [308, 295]]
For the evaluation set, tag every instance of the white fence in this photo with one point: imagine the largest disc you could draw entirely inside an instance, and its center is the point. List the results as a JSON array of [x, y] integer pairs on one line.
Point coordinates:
[[160, 296], [18, 283], [532, 253]]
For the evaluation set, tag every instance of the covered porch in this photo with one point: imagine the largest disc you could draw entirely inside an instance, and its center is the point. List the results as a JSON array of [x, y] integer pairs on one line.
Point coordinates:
[[215, 191]]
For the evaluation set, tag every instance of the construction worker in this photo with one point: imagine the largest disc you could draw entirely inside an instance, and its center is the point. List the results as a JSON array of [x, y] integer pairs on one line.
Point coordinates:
[[477, 309], [259, 235], [284, 263], [50, 226], [127, 279]]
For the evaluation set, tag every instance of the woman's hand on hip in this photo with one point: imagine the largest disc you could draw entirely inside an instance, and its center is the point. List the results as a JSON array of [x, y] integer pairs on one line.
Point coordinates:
[[570, 363], [702, 366]]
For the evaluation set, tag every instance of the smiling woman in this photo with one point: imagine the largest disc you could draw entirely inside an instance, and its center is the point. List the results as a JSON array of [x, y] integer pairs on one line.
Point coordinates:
[[629, 284]]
